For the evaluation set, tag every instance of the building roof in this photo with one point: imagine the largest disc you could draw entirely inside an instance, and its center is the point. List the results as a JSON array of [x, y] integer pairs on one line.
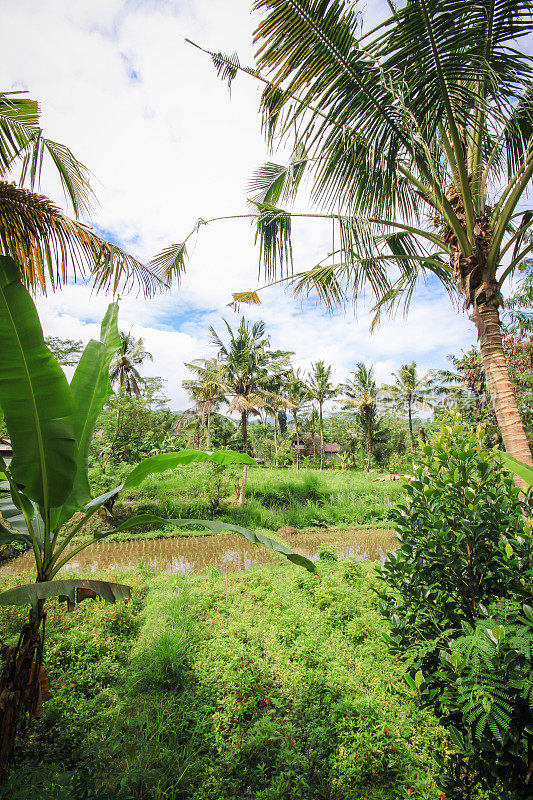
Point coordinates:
[[332, 448], [312, 443]]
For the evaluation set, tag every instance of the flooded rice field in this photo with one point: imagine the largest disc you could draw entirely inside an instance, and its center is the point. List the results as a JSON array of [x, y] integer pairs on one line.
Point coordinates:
[[225, 551]]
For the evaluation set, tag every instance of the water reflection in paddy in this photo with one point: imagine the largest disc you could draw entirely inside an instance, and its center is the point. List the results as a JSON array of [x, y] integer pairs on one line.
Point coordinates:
[[225, 551]]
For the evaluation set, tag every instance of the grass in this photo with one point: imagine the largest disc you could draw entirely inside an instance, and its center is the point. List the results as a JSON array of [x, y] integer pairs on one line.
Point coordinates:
[[276, 498], [274, 684]]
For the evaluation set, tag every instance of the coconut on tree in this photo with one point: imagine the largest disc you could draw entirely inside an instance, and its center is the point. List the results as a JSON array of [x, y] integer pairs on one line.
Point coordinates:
[[417, 137]]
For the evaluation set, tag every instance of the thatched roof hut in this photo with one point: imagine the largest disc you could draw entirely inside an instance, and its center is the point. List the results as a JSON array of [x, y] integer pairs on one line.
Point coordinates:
[[310, 445]]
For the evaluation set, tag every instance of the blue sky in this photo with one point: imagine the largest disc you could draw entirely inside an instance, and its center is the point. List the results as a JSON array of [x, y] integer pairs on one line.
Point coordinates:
[[168, 145]]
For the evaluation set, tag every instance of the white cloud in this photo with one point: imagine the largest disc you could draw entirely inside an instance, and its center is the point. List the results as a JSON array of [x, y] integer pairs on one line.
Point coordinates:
[[118, 83]]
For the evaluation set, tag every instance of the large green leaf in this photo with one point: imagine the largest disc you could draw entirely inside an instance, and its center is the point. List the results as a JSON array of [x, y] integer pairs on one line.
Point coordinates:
[[71, 590], [11, 510], [171, 460], [35, 397], [215, 527], [518, 467], [7, 536], [91, 389]]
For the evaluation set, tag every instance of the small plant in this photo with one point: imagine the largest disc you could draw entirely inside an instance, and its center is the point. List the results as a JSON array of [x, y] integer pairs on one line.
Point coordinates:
[[327, 553], [465, 552]]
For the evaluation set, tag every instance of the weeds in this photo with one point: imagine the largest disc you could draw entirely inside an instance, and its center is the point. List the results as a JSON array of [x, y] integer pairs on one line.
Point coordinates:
[[276, 498], [283, 691]]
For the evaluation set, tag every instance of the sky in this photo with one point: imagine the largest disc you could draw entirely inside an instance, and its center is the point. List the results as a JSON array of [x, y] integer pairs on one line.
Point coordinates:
[[167, 144]]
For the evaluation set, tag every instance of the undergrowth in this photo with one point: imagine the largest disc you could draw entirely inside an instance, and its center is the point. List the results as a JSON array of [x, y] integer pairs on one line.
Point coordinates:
[[267, 684], [276, 498]]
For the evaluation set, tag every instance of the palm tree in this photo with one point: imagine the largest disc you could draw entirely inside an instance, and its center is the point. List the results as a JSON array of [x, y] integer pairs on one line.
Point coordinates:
[[465, 385], [409, 392], [248, 365], [206, 389], [418, 137], [362, 394], [321, 389], [124, 365], [48, 246], [296, 396]]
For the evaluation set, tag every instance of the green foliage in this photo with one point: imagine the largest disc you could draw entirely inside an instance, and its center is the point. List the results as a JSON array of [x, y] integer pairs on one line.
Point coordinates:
[[51, 425], [465, 556], [67, 352], [482, 690], [130, 428], [277, 497], [283, 691]]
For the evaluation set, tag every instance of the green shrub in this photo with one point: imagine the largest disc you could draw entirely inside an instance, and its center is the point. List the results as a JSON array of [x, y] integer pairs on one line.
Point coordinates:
[[465, 545]]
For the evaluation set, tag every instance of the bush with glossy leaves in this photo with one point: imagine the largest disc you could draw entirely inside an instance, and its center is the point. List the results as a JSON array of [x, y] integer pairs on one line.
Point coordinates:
[[465, 545]]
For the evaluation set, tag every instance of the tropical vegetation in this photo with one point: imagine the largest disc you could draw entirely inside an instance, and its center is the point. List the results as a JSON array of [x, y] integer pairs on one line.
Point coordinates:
[[399, 662]]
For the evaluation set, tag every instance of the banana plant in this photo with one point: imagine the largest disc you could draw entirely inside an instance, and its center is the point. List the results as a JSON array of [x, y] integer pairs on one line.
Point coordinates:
[[51, 424]]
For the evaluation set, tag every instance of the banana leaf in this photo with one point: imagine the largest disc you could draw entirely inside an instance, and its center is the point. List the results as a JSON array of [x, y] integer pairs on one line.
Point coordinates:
[[518, 467], [166, 461], [13, 515], [90, 389], [7, 536], [71, 591], [215, 527], [35, 397]]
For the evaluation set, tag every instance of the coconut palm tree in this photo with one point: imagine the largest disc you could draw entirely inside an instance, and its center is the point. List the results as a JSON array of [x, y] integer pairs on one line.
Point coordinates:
[[418, 139], [124, 365], [361, 394], [48, 246], [296, 397], [206, 389], [409, 392], [321, 389], [274, 398], [248, 365]]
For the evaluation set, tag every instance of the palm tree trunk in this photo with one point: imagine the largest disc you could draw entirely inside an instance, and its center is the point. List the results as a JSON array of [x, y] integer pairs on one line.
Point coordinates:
[[368, 456], [244, 423], [411, 437], [244, 428], [487, 320], [275, 439], [321, 437], [297, 441], [208, 443]]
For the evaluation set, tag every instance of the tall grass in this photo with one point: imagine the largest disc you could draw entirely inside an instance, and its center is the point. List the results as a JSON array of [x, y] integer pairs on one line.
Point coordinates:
[[163, 652], [276, 498]]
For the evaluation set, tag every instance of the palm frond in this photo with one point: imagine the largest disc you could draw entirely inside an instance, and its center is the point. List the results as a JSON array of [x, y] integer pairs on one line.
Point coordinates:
[[170, 263], [273, 230], [227, 66], [22, 139], [19, 123], [250, 298], [274, 183], [50, 248]]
